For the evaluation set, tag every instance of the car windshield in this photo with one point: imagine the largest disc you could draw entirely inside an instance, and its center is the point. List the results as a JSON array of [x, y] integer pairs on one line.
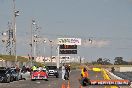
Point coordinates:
[[14, 70], [52, 67]]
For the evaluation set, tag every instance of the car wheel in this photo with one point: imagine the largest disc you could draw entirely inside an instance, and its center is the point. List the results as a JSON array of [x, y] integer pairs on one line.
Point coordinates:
[[11, 79], [57, 76]]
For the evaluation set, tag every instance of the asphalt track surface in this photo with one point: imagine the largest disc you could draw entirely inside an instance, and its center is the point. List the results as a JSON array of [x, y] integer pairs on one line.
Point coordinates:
[[124, 75], [56, 82]]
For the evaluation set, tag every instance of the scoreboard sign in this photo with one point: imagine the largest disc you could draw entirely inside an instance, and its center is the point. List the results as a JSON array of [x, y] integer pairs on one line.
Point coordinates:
[[68, 49], [68, 46], [69, 41], [68, 52]]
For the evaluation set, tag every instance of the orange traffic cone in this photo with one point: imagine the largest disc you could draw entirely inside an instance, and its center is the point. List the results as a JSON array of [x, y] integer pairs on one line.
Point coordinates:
[[68, 85], [80, 86], [63, 86]]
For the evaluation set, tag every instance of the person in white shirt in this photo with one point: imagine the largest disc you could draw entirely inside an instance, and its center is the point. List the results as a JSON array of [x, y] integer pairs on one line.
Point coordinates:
[[63, 72]]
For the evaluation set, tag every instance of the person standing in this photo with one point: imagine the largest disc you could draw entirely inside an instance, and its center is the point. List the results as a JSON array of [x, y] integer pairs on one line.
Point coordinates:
[[63, 71], [67, 68], [34, 67], [17, 72], [24, 69]]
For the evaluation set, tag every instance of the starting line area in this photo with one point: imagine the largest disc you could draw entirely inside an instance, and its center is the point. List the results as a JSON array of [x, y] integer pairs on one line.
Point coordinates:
[[105, 82]]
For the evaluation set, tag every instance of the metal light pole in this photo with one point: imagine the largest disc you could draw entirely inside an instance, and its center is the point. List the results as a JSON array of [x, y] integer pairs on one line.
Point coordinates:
[[31, 44], [35, 41], [58, 57], [4, 41], [51, 46], [15, 14], [34, 37], [44, 50]]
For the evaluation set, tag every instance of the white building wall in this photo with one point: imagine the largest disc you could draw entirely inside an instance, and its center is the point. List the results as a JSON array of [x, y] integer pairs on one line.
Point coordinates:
[[63, 59]]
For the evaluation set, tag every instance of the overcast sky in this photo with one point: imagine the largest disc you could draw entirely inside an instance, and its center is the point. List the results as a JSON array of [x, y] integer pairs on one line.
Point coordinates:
[[107, 22]]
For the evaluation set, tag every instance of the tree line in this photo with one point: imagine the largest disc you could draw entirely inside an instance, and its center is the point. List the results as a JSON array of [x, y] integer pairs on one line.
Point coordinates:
[[117, 61]]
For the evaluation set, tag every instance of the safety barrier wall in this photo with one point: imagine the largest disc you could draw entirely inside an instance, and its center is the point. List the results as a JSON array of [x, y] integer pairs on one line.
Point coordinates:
[[116, 77], [126, 69]]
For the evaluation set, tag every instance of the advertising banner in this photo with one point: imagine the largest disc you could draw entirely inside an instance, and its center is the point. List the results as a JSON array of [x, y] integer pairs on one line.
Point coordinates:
[[69, 41]]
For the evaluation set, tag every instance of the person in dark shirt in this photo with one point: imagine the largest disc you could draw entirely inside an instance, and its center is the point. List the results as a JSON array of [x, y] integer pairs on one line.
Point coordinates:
[[24, 69], [67, 71]]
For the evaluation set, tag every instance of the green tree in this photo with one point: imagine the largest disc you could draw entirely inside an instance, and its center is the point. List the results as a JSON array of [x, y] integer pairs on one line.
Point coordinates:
[[106, 61], [100, 61], [118, 60]]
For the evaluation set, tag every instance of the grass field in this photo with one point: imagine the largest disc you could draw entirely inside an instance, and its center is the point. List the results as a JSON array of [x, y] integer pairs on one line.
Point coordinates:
[[12, 58]]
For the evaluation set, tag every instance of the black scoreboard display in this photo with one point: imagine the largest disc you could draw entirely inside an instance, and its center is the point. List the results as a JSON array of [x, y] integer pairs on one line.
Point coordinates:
[[68, 46], [68, 49], [68, 52]]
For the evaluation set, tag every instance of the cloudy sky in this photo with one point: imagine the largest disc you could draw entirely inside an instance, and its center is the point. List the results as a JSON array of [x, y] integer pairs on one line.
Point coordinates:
[[107, 22]]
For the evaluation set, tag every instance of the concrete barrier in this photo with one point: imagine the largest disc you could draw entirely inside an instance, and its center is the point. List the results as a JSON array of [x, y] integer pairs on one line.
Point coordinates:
[[125, 69], [112, 75], [115, 76]]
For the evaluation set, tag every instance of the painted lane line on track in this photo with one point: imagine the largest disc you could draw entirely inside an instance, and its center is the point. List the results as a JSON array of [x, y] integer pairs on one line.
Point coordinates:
[[105, 75]]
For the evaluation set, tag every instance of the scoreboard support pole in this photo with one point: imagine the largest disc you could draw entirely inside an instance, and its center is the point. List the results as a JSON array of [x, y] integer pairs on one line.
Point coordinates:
[[58, 57]]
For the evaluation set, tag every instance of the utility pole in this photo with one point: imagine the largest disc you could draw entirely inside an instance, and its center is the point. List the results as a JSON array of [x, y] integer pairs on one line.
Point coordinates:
[[31, 59], [44, 50], [35, 44], [7, 40], [10, 39], [31, 44], [51, 46], [58, 57], [34, 40], [80, 60], [4, 41], [15, 14]]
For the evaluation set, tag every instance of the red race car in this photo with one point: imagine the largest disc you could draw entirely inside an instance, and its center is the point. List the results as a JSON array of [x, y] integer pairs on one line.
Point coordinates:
[[39, 74]]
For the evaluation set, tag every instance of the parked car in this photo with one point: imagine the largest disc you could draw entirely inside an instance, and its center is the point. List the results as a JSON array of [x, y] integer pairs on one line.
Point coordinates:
[[5, 75], [53, 71], [16, 74]]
